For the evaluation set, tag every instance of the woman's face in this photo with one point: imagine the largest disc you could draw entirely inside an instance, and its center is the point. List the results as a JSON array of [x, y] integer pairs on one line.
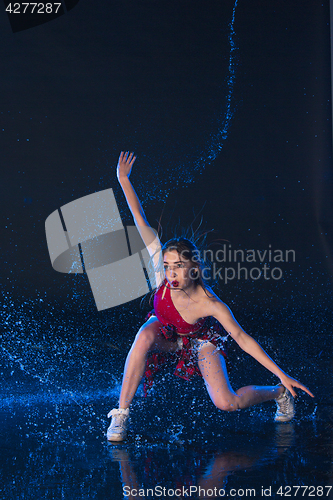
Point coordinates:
[[177, 269]]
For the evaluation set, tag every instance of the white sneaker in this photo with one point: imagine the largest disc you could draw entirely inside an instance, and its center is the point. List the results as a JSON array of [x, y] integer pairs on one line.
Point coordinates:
[[285, 407], [118, 427]]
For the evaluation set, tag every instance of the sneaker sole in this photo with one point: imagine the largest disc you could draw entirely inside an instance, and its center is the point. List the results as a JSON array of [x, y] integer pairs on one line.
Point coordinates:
[[116, 437], [283, 419]]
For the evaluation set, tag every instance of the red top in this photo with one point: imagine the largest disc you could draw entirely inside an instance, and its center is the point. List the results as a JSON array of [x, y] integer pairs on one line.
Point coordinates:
[[172, 324], [167, 314]]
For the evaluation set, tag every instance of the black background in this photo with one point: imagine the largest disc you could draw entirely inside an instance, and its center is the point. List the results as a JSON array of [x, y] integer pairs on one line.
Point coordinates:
[[153, 77]]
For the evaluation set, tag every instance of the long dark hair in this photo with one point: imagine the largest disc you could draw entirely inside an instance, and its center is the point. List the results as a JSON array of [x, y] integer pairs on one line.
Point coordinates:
[[189, 251]]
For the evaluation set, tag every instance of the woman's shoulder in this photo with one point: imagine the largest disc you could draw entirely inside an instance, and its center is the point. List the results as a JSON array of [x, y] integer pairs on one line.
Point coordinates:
[[209, 300], [207, 293]]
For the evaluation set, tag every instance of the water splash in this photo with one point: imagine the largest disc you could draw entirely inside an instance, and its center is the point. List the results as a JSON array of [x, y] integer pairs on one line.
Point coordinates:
[[182, 148], [47, 358], [175, 433], [214, 146]]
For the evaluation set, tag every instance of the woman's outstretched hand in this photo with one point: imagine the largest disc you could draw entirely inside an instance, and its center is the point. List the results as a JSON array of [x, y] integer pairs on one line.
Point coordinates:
[[125, 163], [290, 383]]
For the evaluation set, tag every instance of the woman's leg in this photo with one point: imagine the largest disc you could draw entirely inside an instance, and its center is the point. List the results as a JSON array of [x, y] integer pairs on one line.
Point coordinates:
[[214, 371], [149, 338]]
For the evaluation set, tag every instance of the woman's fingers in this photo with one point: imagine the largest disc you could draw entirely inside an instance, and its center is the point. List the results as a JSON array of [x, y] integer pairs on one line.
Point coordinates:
[[291, 389], [127, 157], [291, 385], [133, 159], [305, 389]]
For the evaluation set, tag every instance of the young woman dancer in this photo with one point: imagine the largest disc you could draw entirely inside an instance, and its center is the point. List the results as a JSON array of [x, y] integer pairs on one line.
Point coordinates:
[[186, 321]]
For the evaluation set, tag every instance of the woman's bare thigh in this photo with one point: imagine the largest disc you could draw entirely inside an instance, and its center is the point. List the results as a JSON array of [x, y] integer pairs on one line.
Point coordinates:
[[213, 368], [160, 343]]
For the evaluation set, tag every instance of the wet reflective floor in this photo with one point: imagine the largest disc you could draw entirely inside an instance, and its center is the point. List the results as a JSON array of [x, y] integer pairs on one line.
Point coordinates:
[[55, 398], [59, 450]]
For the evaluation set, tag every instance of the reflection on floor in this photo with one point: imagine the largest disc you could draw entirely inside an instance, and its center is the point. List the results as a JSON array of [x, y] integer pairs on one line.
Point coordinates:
[[60, 451]]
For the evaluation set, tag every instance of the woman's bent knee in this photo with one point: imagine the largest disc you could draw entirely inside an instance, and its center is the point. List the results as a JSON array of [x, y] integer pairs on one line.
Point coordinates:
[[226, 404], [146, 336]]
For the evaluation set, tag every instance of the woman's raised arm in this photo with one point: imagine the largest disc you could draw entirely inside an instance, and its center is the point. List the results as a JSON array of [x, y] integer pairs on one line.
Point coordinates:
[[124, 167], [148, 235]]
